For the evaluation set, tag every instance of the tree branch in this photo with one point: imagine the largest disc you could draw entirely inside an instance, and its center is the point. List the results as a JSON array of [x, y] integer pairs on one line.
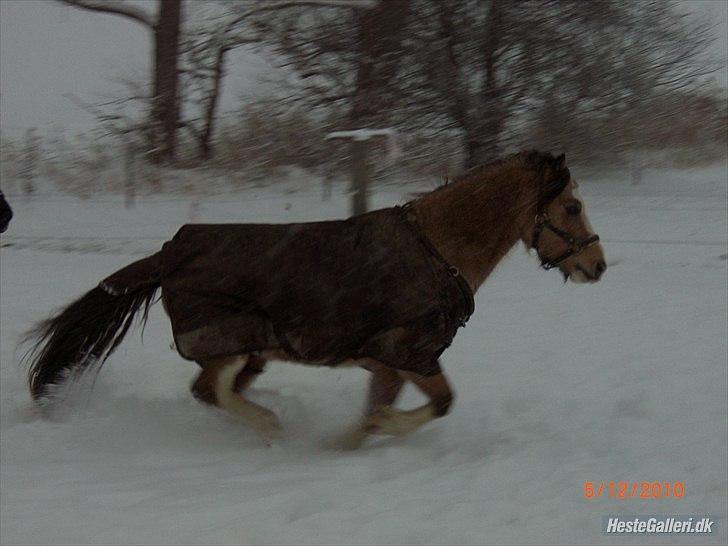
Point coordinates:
[[283, 4], [114, 8]]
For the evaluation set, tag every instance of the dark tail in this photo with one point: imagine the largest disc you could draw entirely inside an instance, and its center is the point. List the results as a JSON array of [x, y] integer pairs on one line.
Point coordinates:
[[85, 333]]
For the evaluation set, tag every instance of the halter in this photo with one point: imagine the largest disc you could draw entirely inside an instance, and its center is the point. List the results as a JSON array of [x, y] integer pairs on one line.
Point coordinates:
[[576, 246]]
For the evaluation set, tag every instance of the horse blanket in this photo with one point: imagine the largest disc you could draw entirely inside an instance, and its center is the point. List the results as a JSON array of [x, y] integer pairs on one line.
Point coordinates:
[[324, 292]]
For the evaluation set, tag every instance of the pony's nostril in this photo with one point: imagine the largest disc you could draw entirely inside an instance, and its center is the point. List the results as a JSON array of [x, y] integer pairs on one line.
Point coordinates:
[[600, 267]]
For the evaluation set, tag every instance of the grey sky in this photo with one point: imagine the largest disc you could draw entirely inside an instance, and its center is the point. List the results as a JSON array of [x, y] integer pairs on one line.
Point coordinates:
[[48, 50]]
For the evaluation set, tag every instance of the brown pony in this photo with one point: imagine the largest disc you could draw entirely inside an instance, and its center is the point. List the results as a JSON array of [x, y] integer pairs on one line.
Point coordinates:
[[385, 291]]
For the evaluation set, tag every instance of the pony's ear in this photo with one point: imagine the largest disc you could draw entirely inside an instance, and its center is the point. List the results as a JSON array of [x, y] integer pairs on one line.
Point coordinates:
[[555, 181], [553, 187], [561, 162]]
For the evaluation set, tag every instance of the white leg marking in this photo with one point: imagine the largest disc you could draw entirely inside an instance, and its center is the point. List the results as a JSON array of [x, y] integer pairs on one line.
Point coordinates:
[[386, 421], [393, 422], [255, 415], [351, 438]]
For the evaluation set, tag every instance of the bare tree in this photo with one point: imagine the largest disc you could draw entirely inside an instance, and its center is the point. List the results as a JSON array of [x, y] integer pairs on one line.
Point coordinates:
[[204, 44], [205, 47], [482, 68], [352, 60], [346, 59], [219, 28], [489, 64], [166, 76], [166, 28]]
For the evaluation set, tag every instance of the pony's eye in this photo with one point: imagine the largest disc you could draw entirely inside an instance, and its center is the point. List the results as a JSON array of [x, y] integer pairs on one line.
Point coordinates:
[[573, 208]]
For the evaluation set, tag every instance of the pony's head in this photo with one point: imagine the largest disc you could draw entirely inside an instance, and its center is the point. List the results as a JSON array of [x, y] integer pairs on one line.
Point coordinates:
[[561, 233]]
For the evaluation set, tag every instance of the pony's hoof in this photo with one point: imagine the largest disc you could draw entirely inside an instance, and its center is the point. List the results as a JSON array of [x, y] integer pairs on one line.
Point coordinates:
[[270, 434], [271, 437], [270, 424], [387, 421], [379, 421], [348, 441]]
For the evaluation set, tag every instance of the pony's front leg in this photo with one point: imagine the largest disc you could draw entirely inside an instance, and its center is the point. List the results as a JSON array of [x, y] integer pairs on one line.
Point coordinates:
[[390, 421], [383, 419], [384, 387]]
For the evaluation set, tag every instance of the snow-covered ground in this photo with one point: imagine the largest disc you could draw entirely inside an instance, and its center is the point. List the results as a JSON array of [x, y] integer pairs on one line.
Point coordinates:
[[556, 385]]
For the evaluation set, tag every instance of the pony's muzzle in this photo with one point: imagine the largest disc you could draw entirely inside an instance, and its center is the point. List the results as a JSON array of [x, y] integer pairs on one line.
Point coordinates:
[[590, 273]]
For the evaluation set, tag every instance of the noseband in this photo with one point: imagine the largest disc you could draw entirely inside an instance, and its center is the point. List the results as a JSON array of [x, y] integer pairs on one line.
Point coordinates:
[[575, 245]]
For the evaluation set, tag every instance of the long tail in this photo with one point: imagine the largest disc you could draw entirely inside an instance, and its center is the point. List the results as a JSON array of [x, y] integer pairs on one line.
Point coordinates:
[[84, 334]]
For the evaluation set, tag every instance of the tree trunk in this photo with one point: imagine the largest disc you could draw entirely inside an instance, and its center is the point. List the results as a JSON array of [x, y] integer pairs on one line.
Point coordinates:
[[379, 37], [478, 152], [165, 114], [205, 150], [483, 140], [379, 34]]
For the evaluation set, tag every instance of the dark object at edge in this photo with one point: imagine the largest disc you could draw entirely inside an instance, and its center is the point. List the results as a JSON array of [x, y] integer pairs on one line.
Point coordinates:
[[6, 213]]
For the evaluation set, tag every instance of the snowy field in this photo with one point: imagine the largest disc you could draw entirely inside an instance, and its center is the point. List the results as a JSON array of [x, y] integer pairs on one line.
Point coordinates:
[[556, 384]]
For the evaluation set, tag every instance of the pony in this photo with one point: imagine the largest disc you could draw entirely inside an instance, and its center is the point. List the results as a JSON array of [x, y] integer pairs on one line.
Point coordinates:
[[385, 291]]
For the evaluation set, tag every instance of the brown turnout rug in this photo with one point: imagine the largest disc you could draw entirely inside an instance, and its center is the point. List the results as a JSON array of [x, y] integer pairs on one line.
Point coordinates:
[[324, 292]]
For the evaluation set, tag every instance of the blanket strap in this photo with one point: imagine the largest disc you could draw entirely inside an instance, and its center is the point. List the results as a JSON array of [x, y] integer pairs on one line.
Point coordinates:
[[409, 217]]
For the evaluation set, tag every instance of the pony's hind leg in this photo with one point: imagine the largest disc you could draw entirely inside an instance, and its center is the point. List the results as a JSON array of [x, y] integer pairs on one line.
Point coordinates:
[[216, 385], [250, 372]]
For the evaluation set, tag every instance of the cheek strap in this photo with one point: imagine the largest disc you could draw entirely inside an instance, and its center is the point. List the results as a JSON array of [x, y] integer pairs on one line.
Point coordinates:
[[575, 246]]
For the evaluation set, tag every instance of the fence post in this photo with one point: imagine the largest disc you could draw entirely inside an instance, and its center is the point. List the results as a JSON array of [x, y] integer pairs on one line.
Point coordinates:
[[130, 174], [29, 164], [360, 169], [359, 176]]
